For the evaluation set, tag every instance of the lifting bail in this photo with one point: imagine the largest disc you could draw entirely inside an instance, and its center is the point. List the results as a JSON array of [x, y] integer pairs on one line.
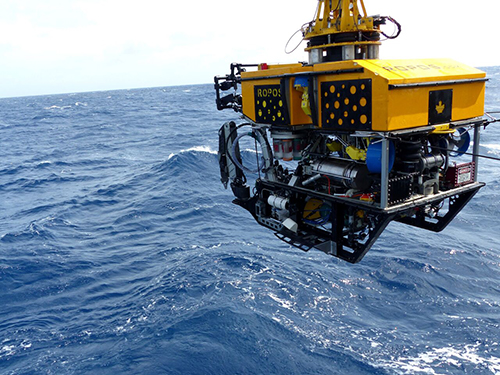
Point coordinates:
[[340, 31]]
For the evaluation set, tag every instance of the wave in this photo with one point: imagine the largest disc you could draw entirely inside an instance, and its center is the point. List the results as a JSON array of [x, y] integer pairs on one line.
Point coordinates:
[[199, 162], [58, 107], [119, 245], [465, 359], [195, 149], [492, 148]]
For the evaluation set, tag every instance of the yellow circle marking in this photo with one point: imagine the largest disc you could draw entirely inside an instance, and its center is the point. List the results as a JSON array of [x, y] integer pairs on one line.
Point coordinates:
[[363, 119], [332, 116], [264, 104], [354, 107], [332, 89], [362, 102], [337, 105], [346, 101], [353, 90], [340, 121]]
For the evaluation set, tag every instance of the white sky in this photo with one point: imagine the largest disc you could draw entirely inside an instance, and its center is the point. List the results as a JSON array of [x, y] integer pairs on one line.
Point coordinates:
[[59, 46]]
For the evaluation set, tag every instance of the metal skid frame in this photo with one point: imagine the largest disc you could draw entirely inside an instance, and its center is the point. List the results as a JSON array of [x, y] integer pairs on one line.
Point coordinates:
[[336, 237], [338, 243]]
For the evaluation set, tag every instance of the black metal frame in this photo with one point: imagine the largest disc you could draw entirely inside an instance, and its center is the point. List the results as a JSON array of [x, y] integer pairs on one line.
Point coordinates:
[[337, 242]]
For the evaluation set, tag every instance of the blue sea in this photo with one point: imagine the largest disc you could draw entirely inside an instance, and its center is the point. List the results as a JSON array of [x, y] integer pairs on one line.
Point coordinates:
[[121, 253]]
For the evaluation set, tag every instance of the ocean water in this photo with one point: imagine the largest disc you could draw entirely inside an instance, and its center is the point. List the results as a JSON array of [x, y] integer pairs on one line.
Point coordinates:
[[121, 253]]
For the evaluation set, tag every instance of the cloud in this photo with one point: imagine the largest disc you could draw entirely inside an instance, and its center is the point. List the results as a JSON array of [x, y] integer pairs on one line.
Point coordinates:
[[84, 45]]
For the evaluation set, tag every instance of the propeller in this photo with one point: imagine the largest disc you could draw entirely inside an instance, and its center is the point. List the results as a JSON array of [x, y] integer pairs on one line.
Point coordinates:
[[459, 142]]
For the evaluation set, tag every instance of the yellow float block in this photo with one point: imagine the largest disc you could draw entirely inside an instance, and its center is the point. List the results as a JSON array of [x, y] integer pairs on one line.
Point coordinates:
[[378, 95]]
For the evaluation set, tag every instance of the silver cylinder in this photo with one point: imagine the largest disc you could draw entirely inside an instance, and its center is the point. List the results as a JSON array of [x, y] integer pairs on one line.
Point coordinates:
[[348, 52], [315, 56], [373, 51], [279, 203], [350, 174], [431, 161], [311, 179]]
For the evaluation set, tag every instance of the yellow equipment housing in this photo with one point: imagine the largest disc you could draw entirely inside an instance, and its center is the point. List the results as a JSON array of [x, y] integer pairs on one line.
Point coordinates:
[[376, 95]]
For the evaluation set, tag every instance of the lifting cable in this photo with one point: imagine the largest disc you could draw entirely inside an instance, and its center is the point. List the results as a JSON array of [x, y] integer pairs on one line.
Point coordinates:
[[289, 40], [478, 155]]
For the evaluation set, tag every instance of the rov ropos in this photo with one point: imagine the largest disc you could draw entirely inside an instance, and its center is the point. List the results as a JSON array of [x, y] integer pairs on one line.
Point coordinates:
[[373, 140]]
